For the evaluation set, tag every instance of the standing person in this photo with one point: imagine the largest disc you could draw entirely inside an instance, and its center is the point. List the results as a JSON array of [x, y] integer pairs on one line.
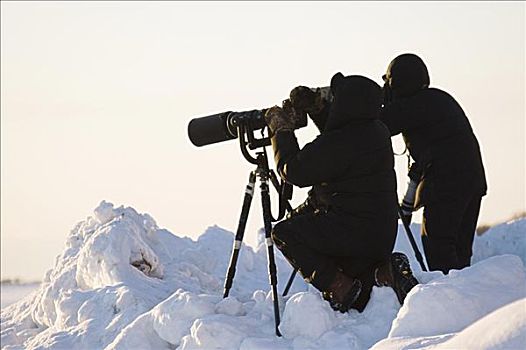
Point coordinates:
[[343, 235], [447, 178]]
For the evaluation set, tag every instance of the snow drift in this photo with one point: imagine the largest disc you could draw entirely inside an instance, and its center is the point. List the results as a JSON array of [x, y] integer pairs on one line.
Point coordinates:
[[124, 283]]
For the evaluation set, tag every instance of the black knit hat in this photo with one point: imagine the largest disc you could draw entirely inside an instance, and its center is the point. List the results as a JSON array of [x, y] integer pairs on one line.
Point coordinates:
[[355, 97], [406, 75]]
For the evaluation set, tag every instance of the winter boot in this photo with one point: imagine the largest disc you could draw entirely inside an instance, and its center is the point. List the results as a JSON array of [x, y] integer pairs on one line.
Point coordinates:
[[396, 273], [342, 292]]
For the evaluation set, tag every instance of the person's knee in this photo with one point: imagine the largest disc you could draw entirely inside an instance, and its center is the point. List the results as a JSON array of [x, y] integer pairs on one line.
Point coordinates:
[[285, 233]]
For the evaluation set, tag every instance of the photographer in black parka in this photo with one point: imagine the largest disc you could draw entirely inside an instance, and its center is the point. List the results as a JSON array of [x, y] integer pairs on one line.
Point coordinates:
[[342, 237], [447, 178]]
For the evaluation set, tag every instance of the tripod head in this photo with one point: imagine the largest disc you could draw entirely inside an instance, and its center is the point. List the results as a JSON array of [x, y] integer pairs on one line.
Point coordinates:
[[247, 140]]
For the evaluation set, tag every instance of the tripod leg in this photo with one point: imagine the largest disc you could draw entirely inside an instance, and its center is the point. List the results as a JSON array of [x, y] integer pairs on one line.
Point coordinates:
[[289, 283], [249, 193], [412, 240], [265, 201]]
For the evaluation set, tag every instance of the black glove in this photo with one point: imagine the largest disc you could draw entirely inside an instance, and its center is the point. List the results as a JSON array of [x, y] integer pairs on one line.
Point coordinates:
[[279, 120]]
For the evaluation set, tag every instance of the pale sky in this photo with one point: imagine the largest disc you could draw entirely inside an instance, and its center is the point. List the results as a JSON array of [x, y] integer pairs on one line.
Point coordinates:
[[96, 98]]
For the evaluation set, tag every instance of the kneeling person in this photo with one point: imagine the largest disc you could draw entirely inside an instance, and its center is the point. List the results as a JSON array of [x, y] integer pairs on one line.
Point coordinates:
[[343, 236]]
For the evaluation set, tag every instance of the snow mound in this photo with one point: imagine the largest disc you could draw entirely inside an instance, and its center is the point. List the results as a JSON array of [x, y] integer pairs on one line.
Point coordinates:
[[507, 238], [167, 323], [117, 265], [461, 298], [124, 283], [297, 320], [504, 328]]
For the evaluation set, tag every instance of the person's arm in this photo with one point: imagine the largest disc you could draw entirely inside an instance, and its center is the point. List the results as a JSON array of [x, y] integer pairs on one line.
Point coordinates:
[[320, 118], [313, 164], [404, 114]]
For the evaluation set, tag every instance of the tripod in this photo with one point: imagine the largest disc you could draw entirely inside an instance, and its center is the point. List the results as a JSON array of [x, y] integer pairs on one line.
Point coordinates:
[[264, 173]]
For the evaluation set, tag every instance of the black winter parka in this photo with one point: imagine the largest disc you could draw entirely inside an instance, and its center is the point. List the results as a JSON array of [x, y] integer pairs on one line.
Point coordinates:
[[350, 164], [440, 139]]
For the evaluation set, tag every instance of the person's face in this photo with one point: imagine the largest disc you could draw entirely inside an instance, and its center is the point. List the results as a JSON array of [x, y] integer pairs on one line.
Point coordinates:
[[387, 90], [387, 78]]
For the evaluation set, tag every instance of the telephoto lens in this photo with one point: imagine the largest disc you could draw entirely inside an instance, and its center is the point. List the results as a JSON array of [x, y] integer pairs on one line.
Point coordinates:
[[211, 129], [223, 126]]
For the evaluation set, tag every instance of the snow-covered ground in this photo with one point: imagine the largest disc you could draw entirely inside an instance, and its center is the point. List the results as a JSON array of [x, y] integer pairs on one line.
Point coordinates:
[[123, 283], [10, 293]]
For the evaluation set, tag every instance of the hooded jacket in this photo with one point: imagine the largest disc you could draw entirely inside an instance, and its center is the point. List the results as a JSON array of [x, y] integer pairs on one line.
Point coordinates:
[[436, 130], [350, 164]]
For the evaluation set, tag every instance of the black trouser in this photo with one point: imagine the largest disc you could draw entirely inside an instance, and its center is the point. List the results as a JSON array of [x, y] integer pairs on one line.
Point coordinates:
[[448, 230], [321, 244]]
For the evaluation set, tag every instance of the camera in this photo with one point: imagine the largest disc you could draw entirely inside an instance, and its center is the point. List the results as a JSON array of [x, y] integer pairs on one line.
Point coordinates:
[[224, 126]]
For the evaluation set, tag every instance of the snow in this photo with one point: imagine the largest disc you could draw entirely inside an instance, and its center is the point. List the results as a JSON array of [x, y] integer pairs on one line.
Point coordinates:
[[124, 283], [461, 298], [509, 237], [297, 320], [504, 328], [11, 293]]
